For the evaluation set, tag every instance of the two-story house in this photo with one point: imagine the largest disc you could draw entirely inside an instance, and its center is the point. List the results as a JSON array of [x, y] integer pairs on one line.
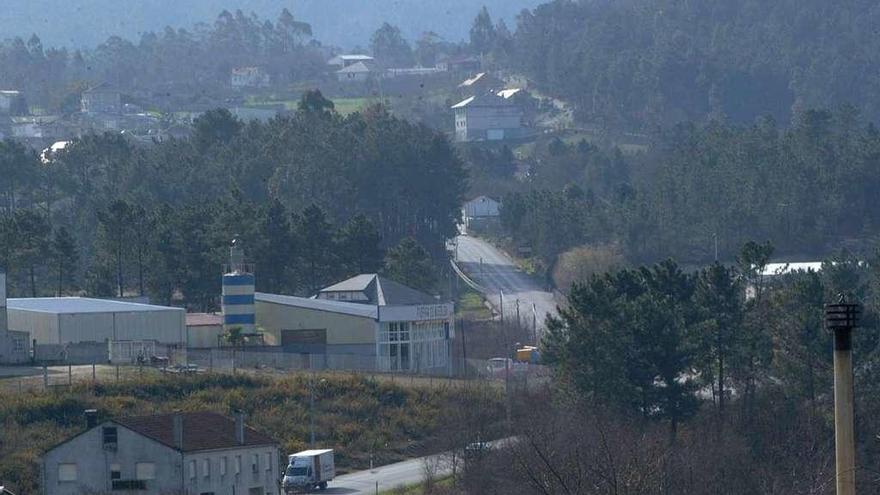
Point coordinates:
[[199, 453], [487, 117]]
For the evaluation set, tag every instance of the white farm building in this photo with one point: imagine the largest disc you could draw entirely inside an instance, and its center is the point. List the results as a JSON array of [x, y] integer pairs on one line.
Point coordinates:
[[72, 320]]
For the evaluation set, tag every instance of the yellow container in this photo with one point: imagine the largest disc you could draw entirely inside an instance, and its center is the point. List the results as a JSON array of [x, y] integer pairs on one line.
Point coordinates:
[[526, 354]]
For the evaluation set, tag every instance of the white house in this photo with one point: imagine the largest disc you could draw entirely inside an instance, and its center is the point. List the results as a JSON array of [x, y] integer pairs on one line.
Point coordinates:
[[357, 72], [9, 99], [487, 117], [249, 77], [343, 61], [481, 207], [480, 210], [185, 453]]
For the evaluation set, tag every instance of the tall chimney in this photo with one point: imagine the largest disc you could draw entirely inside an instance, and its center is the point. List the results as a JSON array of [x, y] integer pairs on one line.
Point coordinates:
[[91, 418], [177, 430], [239, 427]]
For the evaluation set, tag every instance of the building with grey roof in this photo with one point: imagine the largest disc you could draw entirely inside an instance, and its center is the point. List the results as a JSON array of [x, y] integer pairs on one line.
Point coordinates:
[[366, 315], [72, 320]]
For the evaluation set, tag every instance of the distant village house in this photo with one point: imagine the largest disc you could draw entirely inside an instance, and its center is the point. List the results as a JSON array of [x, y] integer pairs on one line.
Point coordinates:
[[250, 77], [101, 99], [12, 103], [487, 117], [343, 61], [357, 72]]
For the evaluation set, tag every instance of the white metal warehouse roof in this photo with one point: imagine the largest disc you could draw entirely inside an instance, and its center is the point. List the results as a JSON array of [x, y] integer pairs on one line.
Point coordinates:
[[80, 305], [347, 308]]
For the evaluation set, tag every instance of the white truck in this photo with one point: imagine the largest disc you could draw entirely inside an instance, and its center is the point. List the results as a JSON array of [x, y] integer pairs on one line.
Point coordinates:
[[308, 470]]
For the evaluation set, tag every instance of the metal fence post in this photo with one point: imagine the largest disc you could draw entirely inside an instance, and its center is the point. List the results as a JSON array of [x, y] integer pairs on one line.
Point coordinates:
[[69, 374], [45, 376]]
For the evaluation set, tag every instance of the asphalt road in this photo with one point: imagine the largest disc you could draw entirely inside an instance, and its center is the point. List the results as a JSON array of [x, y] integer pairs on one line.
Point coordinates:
[[498, 274], [406, 473], [389, 477]]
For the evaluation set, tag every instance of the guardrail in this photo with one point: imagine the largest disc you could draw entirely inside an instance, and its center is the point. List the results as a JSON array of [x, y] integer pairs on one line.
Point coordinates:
[[467, 280]]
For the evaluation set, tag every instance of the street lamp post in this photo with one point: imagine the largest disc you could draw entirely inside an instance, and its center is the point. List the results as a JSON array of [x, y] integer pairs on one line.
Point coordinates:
[[840, 319]]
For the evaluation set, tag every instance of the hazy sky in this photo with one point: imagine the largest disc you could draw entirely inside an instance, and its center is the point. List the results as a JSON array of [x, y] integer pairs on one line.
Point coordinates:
[[84, 23]]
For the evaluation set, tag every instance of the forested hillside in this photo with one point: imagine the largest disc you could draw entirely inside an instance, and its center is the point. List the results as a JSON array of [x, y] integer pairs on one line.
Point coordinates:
[[314, 197], [810, 189], [187, 60], [638, 63]]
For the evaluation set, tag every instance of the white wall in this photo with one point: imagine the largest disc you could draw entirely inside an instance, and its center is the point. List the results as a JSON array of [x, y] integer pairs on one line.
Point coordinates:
[[43, 327], [204, 480], [93, 463], [167, 326]]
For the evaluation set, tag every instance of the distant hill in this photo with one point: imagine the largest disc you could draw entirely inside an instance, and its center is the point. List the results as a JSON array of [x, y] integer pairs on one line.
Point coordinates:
[[85, 23], [642, 63]]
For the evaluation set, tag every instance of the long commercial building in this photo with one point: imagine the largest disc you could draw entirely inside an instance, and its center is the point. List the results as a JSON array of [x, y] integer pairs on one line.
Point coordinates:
[[367, 315], [71, 320]]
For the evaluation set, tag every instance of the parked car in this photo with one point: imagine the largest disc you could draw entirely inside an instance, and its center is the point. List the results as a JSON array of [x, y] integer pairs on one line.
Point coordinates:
[[497, 367]]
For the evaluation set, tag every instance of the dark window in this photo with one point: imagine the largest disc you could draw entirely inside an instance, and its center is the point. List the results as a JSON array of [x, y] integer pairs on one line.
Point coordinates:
[[110, 435], [207, 493], [115, 475], [129, 485]]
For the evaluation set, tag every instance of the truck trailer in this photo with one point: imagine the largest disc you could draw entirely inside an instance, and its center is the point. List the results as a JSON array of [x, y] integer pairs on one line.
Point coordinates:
[[309, 470]]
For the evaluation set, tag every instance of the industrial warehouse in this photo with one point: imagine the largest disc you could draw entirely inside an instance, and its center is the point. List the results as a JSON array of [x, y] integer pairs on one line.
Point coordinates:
[[70, 320], [401, 328]]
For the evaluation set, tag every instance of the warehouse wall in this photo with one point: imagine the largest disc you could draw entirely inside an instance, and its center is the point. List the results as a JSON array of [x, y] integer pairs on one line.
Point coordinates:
[[341, 329], [42, 327], [50, 328], [166, 326], [203, 335]]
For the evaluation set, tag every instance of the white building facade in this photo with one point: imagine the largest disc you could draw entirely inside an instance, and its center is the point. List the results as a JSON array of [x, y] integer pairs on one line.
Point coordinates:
[[180, 453]]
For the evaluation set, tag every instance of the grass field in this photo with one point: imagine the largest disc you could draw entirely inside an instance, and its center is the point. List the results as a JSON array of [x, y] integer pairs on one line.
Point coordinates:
[[470, 305]]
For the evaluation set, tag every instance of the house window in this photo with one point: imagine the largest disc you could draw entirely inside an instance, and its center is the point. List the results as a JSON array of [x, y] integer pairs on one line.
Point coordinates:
[[268, 461], [206, 468], [238, 464], [192, 470], [67, 472], [145, 471], [115, 471], [255, 463], [223, 466], [109, 435], [129, 485]]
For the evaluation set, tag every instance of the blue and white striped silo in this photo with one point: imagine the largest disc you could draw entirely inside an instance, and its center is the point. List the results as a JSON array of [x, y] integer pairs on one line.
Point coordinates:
[[238, 292]]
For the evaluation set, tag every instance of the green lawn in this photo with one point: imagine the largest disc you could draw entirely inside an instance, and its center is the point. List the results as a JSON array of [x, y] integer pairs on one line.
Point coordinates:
[[470, 305], [418, 489], [346, 106]]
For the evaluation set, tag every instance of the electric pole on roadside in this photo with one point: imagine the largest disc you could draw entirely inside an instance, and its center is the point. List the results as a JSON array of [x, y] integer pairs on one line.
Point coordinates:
[[840, 319]]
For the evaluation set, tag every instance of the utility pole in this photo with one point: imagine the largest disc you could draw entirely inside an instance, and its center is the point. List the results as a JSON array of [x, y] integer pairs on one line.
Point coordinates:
[[715, 237], [312, 411], [535, 323], [501, 298], [841, 318], [518, 322]]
